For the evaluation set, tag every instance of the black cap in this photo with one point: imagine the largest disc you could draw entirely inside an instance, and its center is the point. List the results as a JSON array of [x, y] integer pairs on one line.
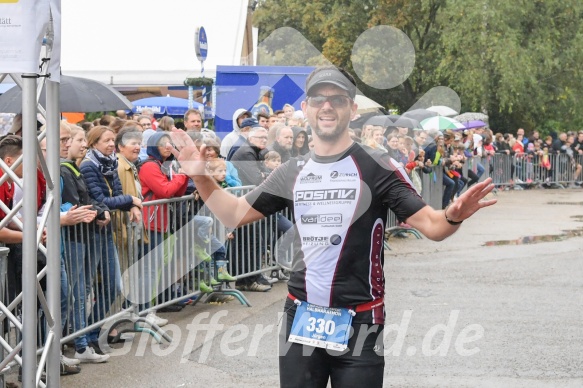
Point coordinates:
[[250, 122], [334, 77]]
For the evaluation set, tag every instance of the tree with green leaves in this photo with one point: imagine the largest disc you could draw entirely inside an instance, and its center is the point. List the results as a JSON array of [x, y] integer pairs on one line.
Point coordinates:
[[516, 61]]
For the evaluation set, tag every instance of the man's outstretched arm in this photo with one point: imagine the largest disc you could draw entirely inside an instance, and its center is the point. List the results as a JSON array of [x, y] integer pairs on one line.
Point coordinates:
[[433, 223], [232, 211]]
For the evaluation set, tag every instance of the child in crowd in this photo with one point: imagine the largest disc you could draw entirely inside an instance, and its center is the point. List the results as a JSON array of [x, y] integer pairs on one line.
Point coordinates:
[[272, 161], [217, 169]]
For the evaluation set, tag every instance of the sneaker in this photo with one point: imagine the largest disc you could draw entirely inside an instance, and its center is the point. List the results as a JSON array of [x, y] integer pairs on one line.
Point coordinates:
[[89, 355], [70, 361], [254, 287], [68, 369], [263, 280], [282, 275], [153, 318], [43, 376], [95, 346], [266, 280]]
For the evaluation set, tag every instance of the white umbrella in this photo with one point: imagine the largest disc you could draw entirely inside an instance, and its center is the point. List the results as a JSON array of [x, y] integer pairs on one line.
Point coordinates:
[[471, 116], [441, 123], [442, 110], [365, 104]]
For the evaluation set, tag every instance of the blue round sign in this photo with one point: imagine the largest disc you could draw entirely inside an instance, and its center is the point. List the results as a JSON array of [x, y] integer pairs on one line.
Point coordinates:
[[201, 44]]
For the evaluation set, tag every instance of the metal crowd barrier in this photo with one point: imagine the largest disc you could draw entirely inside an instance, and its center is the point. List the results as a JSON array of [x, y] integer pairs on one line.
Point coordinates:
[[129, 269], [531, 169]]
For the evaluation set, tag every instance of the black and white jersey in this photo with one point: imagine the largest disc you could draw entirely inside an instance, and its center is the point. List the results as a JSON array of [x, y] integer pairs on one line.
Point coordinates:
[[339, 206]]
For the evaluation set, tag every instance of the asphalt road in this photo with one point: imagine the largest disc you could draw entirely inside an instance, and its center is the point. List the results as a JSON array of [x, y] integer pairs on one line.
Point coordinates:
[[464, 314]]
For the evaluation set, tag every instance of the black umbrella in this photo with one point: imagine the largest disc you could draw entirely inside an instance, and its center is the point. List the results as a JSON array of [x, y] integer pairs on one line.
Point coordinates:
[[383, 121], [406, 122], [360, 120], [76, 95], [419, 114]]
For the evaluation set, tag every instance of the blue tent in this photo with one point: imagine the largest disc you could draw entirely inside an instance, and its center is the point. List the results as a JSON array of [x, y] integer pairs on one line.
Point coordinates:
[[171, 106]]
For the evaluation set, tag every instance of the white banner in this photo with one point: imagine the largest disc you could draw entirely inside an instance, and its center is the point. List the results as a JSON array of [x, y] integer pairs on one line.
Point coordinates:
[[23, 24]]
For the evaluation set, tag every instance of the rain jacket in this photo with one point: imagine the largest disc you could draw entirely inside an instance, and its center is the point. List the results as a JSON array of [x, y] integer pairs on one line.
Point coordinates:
[[232, 137], [74, 192], [305, 148], [106, 190], [159, 181]]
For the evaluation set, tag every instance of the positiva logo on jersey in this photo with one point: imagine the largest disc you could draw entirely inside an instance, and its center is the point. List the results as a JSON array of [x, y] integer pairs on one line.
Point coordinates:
[[311, 178], [320, 195]]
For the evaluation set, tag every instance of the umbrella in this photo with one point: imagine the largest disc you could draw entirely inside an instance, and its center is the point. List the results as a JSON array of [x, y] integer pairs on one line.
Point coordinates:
[[475, 124], [419, 114], [76, 95], [442, 110], [441, 123], [383, 121], [365, 104], [172, 106], [470, 116], [394, 118], [406, 122]]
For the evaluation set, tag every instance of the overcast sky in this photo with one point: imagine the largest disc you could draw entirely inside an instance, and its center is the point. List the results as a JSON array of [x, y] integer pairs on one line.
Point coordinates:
[[145, 36]]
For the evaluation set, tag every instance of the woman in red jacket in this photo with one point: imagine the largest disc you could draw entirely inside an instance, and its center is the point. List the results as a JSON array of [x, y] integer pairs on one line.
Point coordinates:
[[161, 178]]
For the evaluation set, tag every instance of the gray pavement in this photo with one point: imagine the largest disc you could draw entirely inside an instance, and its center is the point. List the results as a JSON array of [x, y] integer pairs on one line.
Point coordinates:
[[464, 314]]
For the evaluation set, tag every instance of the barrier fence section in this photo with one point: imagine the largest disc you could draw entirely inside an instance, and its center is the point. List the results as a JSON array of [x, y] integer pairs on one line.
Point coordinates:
[[179, 249]]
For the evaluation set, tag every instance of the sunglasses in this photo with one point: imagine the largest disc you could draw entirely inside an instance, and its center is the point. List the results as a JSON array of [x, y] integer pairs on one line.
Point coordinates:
[[337, 101]]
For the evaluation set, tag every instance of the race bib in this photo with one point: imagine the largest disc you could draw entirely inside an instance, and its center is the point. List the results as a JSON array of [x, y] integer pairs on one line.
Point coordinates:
[[321, 327]]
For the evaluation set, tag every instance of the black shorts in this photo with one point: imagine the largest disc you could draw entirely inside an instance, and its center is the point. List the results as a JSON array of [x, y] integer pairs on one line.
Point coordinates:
[[361, 365]]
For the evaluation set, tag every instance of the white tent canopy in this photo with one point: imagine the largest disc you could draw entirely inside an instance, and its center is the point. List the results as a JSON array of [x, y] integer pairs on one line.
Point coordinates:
[[148, 42]]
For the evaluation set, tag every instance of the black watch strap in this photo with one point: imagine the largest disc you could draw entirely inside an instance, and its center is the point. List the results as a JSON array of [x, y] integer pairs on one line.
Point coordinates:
[[449, 221]]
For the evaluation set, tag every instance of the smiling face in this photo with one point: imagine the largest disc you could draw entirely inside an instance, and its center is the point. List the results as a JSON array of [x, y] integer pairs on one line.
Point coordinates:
[[210, 153], [106, 143], [131, 149], [377, 136], [330, 119], [300, 140]]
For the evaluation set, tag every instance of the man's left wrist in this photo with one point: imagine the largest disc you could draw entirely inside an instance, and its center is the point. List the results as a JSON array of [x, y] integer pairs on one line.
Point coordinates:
[[449, 220]]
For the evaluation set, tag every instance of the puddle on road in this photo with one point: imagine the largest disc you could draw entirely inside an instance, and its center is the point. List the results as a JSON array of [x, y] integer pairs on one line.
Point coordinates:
[[538, 239]]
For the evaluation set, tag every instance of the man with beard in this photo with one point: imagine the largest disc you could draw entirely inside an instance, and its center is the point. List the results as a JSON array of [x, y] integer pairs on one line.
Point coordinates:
[[339, 195], [284, 137]]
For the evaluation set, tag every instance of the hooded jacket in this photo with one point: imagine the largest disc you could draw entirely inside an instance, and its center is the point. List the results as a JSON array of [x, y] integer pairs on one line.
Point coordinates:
[[159, 181], [305, 148], [232, 137]]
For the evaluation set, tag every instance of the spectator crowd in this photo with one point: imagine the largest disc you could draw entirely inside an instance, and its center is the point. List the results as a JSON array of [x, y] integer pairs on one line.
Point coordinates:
[[112, 167]]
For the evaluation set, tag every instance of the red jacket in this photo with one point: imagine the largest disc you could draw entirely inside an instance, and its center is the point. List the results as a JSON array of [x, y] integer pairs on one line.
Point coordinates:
[[156, 185]]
